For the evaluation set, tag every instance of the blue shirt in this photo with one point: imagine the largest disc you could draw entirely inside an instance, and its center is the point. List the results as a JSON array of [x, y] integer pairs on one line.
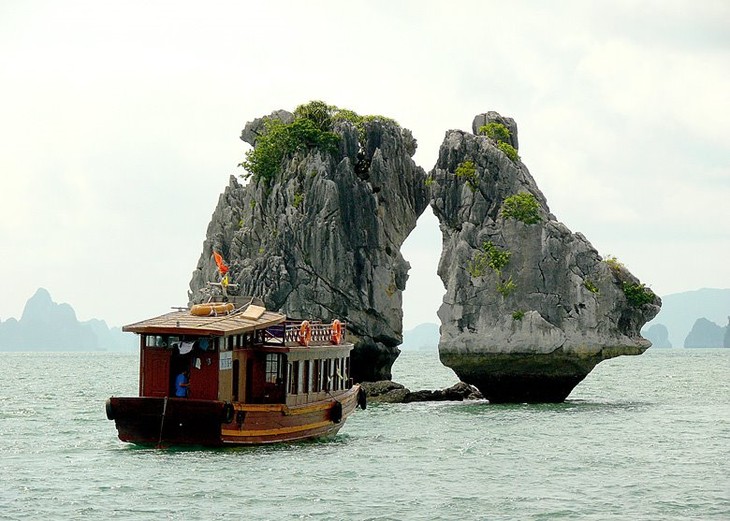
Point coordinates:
[[180, 389]]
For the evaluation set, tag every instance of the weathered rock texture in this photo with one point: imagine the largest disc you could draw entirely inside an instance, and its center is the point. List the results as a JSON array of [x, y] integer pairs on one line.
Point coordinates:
[[386, 391], [323, 239], [567, 310]]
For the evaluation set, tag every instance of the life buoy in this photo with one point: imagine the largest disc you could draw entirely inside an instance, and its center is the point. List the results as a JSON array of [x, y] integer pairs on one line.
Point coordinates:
[[227, 415], [336, 412], [211, 309], [305, 333], [362, 399], [336, 329]]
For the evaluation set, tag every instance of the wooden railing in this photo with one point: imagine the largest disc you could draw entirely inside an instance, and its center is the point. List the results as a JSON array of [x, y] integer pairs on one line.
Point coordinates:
[[292, 333]]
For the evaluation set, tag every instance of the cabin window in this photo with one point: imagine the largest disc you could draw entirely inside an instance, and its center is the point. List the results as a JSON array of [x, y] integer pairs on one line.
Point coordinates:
[[342, 373], [326, 364], [272, 368], [332, 384], [293, 377], [236, 376], [336, 374], [316, 371], [155, 341], [307, 374], [230, 342]]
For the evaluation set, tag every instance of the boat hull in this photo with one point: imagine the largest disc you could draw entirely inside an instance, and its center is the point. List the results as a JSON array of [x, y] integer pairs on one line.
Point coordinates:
[[183, 421]]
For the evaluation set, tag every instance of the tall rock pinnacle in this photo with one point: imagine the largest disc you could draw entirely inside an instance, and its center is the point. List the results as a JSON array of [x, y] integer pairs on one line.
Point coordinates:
[[319, 235], [530, 307]]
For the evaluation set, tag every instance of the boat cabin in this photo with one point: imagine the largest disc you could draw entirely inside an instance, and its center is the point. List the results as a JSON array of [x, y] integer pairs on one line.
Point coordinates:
[[252, 356]]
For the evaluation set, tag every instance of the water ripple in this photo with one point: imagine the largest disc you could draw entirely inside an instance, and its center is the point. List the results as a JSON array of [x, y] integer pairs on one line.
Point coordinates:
[[641, 438]]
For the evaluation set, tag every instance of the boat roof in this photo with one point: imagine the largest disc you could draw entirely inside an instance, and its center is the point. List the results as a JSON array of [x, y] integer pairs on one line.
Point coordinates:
[[182, 322]]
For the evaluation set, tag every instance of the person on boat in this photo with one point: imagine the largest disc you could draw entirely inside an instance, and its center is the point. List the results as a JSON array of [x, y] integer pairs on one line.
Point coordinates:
[[182, 382]]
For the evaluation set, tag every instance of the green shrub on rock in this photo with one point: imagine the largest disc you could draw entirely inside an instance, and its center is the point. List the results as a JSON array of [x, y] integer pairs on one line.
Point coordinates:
[[468, 171], [613, 263], [509, 150], [318, 112], [506, 287], [488, 256], [501, 134], [281, 140], [590, 286], [359, 121], [522, 207], [495, 131], [311, 129], [637, 294]]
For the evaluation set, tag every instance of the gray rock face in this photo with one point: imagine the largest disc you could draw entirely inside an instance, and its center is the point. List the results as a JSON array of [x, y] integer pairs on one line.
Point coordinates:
[[493, 117], [528, 331], [323, 239], [391, 392], [255, 128]]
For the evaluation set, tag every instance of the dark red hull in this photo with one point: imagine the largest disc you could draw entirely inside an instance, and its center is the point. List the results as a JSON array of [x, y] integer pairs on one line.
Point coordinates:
[[183, 421]]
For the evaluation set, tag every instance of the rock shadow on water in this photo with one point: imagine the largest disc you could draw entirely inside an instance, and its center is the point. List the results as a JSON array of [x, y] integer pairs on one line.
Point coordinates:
[[578, 406]]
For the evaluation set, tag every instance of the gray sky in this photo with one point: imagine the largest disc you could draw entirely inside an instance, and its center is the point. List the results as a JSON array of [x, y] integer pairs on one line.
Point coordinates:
[[119, 125]]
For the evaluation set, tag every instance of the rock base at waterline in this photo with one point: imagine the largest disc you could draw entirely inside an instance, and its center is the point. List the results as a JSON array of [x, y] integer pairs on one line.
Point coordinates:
[[387, 391], [522, 378]]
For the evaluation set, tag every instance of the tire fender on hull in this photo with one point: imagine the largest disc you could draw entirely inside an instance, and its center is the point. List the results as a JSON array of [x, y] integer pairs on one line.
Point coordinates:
[[362, 399], [228, 412], [109, 409], [336, 412]]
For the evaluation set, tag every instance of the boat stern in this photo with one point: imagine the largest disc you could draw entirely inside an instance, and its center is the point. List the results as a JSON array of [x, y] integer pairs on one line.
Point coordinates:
[[167, 421]]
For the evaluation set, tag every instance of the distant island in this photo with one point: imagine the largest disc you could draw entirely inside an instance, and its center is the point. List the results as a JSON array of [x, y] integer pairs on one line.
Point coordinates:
[[48, 326], [692, 319], [706, 333], [423, 337]]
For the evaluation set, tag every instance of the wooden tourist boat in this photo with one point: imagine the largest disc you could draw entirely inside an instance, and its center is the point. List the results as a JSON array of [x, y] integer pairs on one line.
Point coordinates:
[[254, 377]]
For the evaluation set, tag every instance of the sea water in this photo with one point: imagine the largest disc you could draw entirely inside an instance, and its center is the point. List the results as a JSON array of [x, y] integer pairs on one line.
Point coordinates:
[[644, 437]]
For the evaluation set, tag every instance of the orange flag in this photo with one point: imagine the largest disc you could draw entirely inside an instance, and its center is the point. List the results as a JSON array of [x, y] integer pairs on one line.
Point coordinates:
[[222, 268]]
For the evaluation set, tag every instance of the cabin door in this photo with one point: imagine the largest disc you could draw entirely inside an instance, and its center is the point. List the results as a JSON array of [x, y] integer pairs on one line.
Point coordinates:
[[204, 376], [155, 372]]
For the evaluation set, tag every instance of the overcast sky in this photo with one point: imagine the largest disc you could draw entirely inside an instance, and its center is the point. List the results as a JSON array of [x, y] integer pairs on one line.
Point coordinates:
[[120, 124]]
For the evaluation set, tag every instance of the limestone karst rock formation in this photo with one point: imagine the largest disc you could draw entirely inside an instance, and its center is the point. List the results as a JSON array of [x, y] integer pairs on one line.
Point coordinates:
[[322, 238], [530, 307]]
